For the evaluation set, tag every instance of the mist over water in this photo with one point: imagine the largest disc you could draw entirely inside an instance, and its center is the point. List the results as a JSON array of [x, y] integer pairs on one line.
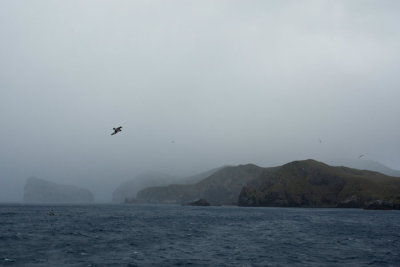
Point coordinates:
[[195, 85]]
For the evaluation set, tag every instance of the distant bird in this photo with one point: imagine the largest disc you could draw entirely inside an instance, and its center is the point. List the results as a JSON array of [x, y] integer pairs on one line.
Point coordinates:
[[361, 156], [117, 130], [320, 140]]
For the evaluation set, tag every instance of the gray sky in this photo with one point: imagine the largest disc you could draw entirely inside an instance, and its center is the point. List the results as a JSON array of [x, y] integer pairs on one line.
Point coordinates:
[[228, 81]]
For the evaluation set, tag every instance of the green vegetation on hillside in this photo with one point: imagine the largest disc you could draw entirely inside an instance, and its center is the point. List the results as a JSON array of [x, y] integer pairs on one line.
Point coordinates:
[[314, 184]]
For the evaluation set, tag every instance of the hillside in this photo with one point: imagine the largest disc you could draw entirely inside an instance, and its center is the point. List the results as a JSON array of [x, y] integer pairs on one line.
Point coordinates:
[[221, 187], [126, 192], [307, 183], [314, 184]]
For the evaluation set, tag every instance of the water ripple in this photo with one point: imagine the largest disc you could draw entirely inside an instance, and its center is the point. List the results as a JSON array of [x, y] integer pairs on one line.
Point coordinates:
[[146, 235]]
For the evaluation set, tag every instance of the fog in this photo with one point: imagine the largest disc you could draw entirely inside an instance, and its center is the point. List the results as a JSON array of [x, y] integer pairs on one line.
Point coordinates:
[[194, 84]]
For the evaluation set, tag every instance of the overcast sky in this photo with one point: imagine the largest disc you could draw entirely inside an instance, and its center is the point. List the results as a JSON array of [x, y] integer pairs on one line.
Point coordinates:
[[195, 85]]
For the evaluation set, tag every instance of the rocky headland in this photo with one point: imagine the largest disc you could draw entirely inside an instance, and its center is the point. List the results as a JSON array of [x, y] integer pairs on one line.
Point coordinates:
[[306, 183]]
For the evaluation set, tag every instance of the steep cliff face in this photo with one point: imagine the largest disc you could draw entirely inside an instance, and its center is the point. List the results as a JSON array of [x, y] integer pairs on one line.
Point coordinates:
[[41, 191], [314, 184]]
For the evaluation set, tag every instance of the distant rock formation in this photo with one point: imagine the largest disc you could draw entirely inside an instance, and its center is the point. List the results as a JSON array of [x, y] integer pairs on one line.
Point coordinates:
[[126, 192], [306, 183], [383, 205], [220, 188], [365, 164], [41, 191], [199, 202]]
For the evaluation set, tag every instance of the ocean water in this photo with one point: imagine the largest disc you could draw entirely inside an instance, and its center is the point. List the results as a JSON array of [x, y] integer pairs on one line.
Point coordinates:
[[168, 235]]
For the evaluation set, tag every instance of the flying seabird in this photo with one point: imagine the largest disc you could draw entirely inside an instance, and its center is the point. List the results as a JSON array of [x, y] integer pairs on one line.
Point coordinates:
[[361, 156], [116, 130]]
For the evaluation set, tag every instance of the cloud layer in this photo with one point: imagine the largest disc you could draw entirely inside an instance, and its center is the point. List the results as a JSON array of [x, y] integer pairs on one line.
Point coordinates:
[[195, 84]]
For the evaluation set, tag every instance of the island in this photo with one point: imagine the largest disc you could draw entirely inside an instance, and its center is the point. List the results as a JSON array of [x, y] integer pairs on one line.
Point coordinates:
[[304, 183]]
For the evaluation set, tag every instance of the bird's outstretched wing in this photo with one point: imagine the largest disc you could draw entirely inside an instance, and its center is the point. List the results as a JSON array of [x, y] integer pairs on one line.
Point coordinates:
[[116, 130]]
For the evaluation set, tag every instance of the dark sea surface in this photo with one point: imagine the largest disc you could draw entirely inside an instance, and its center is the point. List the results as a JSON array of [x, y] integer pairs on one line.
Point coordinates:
[[167, 235]]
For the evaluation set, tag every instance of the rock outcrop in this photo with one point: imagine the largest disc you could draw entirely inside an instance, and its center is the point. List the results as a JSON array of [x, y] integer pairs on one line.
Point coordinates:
[[199, 202], [41, 191], [383, 205]]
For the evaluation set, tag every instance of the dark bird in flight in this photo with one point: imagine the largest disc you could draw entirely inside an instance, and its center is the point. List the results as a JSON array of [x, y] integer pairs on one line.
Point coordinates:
[[117, 130], [361, 156]]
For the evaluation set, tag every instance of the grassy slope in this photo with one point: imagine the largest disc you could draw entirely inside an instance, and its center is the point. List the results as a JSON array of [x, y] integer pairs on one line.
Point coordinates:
[[312, 183]]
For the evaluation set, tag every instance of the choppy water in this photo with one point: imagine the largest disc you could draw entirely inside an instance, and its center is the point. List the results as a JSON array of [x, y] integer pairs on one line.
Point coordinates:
[[145, 235]]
